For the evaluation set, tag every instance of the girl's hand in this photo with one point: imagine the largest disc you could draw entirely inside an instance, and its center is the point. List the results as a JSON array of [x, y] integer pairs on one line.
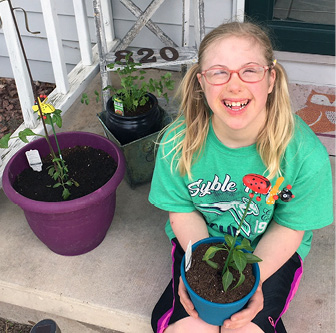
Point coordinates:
[[242, 318], [185, 300]]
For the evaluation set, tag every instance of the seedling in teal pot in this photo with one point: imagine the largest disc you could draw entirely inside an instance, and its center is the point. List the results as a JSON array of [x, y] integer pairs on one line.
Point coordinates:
[[239, 255]]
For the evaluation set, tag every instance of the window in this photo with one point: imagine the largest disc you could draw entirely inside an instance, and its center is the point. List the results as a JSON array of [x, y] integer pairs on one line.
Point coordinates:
[[306, 26]]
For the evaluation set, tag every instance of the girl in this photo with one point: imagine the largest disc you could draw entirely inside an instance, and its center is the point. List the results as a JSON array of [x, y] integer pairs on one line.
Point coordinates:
[[236, 119]]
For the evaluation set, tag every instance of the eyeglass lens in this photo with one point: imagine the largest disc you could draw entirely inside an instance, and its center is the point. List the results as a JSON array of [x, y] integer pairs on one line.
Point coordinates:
[[247, 74]]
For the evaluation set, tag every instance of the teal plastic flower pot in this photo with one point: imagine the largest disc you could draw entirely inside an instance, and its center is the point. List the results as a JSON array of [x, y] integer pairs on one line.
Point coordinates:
[[216, 313], [70, 227]]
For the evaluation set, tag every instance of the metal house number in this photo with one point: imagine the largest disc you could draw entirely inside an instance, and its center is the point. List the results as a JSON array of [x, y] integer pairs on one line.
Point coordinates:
[[166, 53]]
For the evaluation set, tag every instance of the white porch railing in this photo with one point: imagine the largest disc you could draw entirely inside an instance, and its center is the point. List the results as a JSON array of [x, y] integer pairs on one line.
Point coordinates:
[[68, 86]]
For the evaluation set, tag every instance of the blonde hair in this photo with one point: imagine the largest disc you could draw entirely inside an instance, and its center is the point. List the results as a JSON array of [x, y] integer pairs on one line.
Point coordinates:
[[194, 115]]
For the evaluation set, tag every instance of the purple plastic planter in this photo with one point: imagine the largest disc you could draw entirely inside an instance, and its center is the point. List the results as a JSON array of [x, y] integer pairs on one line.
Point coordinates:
[[76, 226]]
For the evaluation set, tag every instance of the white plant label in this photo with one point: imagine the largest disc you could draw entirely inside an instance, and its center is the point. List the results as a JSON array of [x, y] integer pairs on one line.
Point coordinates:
[[34, 159], [188, 255]]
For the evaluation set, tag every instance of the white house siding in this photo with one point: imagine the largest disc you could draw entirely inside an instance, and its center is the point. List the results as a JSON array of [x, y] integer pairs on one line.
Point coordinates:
[[168, 16], [36, 46]]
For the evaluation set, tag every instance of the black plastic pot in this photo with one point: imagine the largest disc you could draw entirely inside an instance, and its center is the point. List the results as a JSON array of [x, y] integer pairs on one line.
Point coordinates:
[[128, 129]]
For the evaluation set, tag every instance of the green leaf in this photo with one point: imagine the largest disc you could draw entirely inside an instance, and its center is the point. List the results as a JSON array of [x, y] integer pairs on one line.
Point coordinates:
[[170, 85], [65, 194], [251, 258], [165, 95], [57, 185], [51, 171], [210, 253], [229, 240], [48, 119], [240, 260], [57, 119], [245, 244], [26, 132], [167, 75], [227, 279], [56, 175], [4, 141], [144, 100], [212, 264], [241, 280], [69, 183], [233, 265], [58, 112], [75, 183]]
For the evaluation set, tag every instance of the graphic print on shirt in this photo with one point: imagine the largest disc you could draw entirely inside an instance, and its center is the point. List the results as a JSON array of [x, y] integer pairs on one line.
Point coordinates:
[[236, 207]]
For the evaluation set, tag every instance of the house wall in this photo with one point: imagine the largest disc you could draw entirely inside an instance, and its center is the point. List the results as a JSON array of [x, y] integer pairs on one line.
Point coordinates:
[[169, 15], [301, 68], [36, 45]]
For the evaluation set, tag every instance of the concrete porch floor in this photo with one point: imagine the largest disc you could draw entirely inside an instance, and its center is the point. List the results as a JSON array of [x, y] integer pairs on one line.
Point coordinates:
[[114, 287]]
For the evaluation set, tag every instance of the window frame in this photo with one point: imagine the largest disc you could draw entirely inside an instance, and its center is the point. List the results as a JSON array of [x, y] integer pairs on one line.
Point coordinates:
[[293, 36]]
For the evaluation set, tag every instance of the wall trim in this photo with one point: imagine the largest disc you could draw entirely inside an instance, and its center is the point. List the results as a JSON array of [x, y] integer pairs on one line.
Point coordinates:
[[305, 57], [308, 69]]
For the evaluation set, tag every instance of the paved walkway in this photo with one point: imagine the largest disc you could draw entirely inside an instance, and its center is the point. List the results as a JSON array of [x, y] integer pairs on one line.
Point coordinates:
[[114, 287]]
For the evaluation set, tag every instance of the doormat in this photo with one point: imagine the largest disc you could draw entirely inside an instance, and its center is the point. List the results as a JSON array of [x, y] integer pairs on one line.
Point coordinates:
[[316, 106]]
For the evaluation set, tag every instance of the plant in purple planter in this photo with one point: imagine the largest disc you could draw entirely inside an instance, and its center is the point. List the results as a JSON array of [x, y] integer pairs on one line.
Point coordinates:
[[67, 227], [49, 116]]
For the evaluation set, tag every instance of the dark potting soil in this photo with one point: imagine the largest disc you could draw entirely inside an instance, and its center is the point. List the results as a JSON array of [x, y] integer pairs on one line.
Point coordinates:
[[207, 281], [91, 168]]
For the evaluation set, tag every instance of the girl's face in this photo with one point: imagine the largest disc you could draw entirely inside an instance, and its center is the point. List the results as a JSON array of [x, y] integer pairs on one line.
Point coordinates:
[[239, 108]]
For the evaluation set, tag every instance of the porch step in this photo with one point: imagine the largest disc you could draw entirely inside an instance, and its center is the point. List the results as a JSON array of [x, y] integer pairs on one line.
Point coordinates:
[[30, 317]]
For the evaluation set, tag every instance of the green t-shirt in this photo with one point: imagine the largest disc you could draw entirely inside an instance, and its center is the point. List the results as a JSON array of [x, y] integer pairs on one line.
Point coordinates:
[[217, 191]]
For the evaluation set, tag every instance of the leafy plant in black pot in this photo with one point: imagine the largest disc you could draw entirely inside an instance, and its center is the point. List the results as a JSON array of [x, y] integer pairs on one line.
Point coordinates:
[[132, 117], [133, 111]]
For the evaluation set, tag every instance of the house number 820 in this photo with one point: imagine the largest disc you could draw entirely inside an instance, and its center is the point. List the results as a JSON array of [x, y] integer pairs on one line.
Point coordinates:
[[167, 53]]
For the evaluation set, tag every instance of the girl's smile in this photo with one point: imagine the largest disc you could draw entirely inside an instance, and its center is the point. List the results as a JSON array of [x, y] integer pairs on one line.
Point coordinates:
[[236, 105], [239, 108]]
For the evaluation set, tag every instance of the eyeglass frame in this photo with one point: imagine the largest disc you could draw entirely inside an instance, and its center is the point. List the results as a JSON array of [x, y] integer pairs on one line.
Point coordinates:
[[266, 68]]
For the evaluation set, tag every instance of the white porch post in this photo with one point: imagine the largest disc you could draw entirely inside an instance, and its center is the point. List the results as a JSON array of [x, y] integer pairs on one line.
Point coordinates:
[[186, 23], [107, 18], [238, 8], [83, 32], [199, 21], [55, 45], [20, 72]]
